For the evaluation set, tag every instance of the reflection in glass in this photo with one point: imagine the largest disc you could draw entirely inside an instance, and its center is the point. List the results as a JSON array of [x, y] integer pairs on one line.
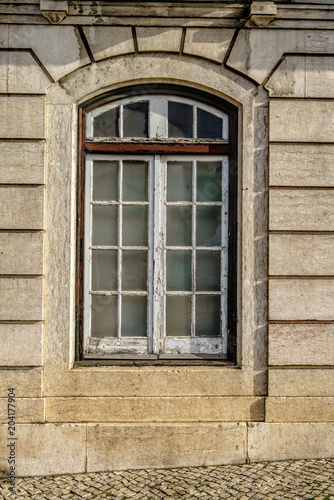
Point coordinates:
[[208, 230], [134, 226], [179, 181], [104, 225], [135, 119], [207, 271], [105, 181], [179, 270], [178, 316], [135, 180], [180, 119], [178, 226], [106, 124], [209, 181], [134, 316], [209, 126], [207, 316], [104, 270], [134, 270], [104, 316]]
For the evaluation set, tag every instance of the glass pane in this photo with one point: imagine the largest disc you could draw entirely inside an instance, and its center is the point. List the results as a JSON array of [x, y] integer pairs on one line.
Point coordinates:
[[179, 181], [179, 270], [178, 314], [105, 225], [135, 180], [134, 226], [104, 270], [209, 126], [207, 316], [135, 119], [104, 316], [179, 226], [134, 316], [208, 230], [105, 181], [106, 124], [209, 181], [134, 270], [180, 119], [207, 271]]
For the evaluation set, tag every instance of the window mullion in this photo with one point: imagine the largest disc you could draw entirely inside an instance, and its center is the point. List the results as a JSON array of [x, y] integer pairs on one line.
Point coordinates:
[[193, 252], [119, 253], [87, 249]]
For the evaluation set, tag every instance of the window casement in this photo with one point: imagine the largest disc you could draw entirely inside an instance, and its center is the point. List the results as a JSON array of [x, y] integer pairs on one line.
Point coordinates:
[[157, 227]]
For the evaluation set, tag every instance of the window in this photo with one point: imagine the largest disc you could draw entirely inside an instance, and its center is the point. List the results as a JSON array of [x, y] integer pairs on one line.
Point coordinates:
[[157, 232]]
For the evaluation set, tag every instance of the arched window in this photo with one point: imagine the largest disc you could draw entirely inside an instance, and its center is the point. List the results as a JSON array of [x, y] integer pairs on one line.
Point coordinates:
[[157, 232]]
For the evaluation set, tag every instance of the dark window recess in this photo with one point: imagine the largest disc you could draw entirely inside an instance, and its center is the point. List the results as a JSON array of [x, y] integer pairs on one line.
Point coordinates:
[[209, 126], [106, 124], [135, 119], [180, 120]]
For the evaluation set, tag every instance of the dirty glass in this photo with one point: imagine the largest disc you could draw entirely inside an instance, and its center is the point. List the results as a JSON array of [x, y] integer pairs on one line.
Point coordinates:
[[106, 124], [135, 119], [180, 120], [209, 126]]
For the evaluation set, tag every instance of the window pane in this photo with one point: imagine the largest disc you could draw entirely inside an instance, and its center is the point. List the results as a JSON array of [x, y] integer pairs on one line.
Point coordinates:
[[207, 271], [135, 119], [209, 126], [104, 316], [209, 175], [179, 181], [179, 226], [105, 181], [207, 316], [135, 180], [134, 316], [104, 270], [208, 220], [105, 225], [134, 270], [178, 314], [179, 270], [180, 119], [106, 124], [134, 226]]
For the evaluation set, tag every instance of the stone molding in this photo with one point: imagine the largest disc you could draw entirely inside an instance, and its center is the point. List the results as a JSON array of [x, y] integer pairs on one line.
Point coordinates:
[[262, 13], [54, 11]]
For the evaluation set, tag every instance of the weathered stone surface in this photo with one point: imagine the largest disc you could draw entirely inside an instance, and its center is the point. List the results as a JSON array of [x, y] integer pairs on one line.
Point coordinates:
[[301, 120], [21, 345], [46, 449], [25, 117], [301, 382], [159, 39], [301, 344], [22, 162], [143, 446], [290, 441], [21, 299], [21, 207], [159, 409], [20, 73], [208, 43], [301, 210], [300, 409], [301, 165], [21, 253], [26, 410], [306, 254], [27, 382], [109, 41]]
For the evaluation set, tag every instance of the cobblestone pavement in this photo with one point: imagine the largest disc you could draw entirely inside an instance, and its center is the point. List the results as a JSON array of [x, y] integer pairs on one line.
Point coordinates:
[[302, 479]]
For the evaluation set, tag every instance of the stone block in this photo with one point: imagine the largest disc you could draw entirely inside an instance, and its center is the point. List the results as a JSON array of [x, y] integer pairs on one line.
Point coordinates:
[[25, 117], [301, 344], [301, 210], [140, 446], [22, 207], [26, 410], [20, 74], [208, 43], [22, 162], [159, 39], [44, 449], [299, 409], [21, 253], [21, 299], [27, 382], [301, 382], [290, 441], [109, 41]]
